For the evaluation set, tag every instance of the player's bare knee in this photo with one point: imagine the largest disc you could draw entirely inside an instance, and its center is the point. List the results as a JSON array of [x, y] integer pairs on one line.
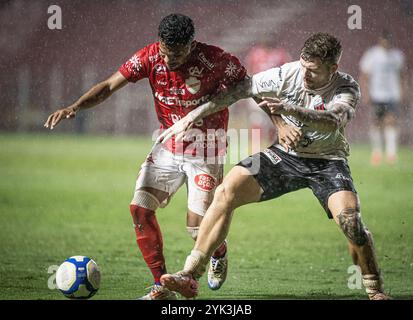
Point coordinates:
[[352, 225], [224, 196], [220, 193]]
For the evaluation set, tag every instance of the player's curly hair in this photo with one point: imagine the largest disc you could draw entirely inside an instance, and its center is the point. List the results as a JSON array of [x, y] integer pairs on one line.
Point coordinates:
[[324, 46], [176, 29]]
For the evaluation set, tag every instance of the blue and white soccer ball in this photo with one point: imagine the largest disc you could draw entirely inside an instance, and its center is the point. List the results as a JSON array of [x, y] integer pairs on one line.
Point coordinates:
[[78, 277]]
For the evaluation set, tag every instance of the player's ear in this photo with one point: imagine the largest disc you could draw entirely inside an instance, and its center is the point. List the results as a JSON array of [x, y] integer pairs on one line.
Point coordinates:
[[333, 68]]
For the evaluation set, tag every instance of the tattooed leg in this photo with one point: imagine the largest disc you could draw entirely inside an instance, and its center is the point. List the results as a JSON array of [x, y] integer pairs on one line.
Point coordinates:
[[347, 215], [352, 226]]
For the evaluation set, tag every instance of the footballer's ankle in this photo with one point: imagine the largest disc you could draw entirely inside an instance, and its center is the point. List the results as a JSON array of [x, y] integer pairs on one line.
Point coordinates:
[[373, 283], [221, 251], [195, 264]]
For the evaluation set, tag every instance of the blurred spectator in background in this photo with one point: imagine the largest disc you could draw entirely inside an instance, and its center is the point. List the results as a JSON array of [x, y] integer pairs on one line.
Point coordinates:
[[263, 56], [384, 85]]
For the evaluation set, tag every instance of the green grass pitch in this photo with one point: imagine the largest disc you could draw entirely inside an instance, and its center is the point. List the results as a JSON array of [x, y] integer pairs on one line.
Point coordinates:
[[69, 195]]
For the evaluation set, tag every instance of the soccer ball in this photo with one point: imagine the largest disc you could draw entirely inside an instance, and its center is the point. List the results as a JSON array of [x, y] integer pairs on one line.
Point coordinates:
[[78, 277]]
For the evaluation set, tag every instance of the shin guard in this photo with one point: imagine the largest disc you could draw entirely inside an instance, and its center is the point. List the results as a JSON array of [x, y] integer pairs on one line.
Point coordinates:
[[149, 239]]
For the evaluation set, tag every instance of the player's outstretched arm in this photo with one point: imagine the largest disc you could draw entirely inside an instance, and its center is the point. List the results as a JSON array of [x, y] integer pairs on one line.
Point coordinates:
[[324, 121], [93, 97], [241, 90]]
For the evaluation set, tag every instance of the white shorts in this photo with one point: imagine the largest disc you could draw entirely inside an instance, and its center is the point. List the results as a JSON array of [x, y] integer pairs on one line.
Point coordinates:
[[165, 171]]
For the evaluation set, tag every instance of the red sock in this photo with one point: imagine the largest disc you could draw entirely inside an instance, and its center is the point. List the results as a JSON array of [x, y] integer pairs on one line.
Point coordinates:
[[149, 240], [221, 251]]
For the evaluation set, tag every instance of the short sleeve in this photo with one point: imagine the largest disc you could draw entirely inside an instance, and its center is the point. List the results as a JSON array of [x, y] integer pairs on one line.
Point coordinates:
[[268, 81], [233, 70], [348, 95], [137, 67]]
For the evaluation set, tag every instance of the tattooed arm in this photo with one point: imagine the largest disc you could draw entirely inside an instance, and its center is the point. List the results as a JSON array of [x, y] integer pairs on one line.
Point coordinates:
[[324, 121], [241, 90], [328, 120]]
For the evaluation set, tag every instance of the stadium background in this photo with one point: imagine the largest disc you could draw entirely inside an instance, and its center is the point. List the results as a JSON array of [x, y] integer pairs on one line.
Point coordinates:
[[63, 193], [44, 69]]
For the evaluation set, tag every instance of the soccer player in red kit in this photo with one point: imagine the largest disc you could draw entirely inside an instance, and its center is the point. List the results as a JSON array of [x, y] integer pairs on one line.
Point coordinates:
[[183, 74]]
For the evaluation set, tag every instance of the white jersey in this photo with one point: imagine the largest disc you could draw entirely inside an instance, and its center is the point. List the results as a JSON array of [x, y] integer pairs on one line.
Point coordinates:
[[286, 83], [383, 67]]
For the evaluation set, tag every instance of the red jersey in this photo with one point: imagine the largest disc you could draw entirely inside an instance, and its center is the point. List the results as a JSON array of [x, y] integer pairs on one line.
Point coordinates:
[[207, 70]]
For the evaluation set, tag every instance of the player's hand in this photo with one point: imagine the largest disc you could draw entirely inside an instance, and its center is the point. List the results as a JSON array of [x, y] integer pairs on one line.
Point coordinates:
[[289, 136], [179, 129], [274, 105], [55, 117]]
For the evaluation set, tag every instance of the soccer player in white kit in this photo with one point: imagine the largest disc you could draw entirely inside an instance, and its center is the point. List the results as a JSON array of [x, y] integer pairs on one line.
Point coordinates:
[[314, 96], [384, 82]]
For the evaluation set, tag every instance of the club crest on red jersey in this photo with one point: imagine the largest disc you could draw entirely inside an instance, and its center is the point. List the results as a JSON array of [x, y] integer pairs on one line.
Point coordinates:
[[193, 85]]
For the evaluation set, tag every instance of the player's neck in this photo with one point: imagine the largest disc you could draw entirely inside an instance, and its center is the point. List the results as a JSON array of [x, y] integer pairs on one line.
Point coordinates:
[[326, 84]]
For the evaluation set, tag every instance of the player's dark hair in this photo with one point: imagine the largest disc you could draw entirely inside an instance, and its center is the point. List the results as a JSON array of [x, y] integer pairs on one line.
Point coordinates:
[[176, 29], [324, 46]]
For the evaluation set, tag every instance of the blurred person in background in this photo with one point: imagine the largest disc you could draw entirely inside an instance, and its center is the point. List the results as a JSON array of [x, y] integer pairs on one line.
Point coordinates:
[[183, 74], [261, 57], [384, 86]]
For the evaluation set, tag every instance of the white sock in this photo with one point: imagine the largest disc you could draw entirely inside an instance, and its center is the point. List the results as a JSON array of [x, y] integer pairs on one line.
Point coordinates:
[[373, 283], [376, 140], [196, 263], [390, 136]]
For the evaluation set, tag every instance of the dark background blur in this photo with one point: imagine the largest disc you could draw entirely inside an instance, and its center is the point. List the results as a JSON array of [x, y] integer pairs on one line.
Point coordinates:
[[42, 70]]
